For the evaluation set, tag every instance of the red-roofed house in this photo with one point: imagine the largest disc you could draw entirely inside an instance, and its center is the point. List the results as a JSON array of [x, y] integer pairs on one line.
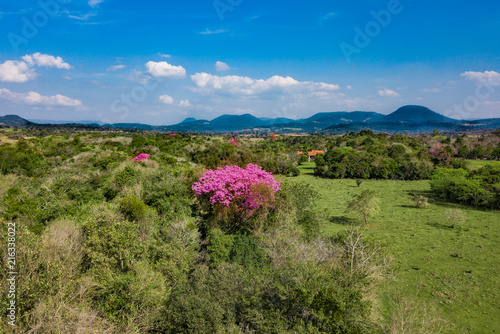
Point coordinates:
[[312, 154]]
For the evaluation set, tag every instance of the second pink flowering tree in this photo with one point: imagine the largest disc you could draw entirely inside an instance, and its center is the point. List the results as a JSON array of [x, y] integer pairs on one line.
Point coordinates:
[[141, 157], [234, 196]]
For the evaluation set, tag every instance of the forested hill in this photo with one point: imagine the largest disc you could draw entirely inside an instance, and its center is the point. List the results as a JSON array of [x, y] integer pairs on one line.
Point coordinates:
[[409, 119]]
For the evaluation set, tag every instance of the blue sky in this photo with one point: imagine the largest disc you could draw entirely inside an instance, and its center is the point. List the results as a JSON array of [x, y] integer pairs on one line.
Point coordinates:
[[158, 62]]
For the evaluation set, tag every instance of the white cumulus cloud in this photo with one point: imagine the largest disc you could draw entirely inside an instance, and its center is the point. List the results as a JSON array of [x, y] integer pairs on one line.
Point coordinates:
[[238, 85], [166, 99], [33, 98], [387, 92], [44, 60], [490, 78], [221, 66], [163, 69], [16, 71]]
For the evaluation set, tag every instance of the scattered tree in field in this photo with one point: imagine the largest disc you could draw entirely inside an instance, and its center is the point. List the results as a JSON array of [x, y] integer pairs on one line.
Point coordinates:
[[364, 205], [456, 217], [362, 257], [358, 182], [420, 201]]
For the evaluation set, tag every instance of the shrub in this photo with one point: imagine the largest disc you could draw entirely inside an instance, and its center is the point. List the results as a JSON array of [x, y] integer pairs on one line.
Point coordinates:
[[168, 194], [111, 242], [132, 208], [109, 161], [126, 176], [296, 299], [364, 205], [82, 191], [301, 198], [219, 247], [420, 201], [246, 252], [22, 159], [478, 189], [456, 217], [292, 171]]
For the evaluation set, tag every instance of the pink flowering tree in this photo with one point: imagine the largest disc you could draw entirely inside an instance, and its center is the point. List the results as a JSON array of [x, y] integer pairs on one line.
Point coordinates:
[[233, 141], [236, 196], [442, 154], [141, 157]]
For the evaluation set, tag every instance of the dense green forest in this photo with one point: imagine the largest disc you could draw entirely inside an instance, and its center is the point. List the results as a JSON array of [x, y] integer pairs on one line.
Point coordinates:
[[212, 234]]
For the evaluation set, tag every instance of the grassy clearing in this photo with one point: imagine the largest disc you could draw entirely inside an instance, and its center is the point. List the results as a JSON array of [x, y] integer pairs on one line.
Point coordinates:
[[476, 164], [455, 270]]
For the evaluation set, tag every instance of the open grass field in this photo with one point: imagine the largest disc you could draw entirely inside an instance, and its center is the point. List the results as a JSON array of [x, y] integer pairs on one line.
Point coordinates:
[[476, 164], [454, 270]]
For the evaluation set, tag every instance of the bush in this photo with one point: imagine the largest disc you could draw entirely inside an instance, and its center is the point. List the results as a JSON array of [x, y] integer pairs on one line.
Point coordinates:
[[168, 194], [107, 162], [364, 204], [126, 175], [247, 253], [420, 201], [132, 208], [240, 249], [23, 160], [111, 242], [479, 189], [295, 299], [303, 198], [456, 217], [219, 246]]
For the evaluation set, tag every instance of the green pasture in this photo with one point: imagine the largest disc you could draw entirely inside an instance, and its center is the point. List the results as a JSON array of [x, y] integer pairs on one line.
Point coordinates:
[[455, 270], [476, 164]]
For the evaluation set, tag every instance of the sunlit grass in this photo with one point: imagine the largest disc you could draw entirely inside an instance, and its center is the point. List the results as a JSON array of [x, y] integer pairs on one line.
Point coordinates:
[[456, 269], [476, 164]]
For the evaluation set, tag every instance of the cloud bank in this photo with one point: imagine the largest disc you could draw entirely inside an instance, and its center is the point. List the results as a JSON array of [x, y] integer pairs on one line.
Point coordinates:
[[33, 98], [238, 85]]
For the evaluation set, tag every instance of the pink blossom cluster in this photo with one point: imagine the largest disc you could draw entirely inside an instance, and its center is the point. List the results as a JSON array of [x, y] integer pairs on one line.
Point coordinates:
[[142, 157], [233, 141], [231, 184]]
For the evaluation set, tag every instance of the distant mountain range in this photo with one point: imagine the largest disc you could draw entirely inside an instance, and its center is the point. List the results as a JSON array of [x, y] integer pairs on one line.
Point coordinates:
[[14, 120], [409, 119], [51, 121]]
